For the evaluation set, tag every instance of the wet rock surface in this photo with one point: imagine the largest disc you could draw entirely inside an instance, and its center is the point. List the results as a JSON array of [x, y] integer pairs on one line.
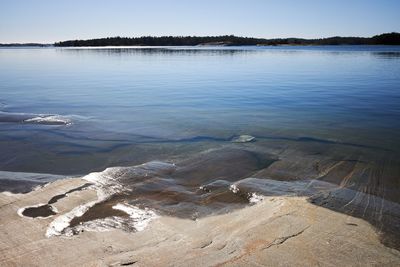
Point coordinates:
[[328, 201]]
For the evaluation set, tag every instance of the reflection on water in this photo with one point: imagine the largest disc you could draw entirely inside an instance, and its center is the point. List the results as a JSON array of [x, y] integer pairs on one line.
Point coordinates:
[[387, 55], [156, 51]]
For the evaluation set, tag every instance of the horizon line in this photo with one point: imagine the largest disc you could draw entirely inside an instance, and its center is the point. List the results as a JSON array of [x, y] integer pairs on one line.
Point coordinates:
[[200, 36]]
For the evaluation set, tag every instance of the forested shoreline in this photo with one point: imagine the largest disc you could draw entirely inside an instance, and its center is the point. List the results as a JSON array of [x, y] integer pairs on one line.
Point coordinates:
[[226, 40], [231, 40]]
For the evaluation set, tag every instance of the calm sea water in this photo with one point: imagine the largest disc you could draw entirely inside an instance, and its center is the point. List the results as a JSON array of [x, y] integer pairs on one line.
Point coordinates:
[[345, 94], [329, 114], [348, 94]]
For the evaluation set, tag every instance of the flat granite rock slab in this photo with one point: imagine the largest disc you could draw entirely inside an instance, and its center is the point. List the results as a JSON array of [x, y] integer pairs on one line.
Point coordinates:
[[278, 231]]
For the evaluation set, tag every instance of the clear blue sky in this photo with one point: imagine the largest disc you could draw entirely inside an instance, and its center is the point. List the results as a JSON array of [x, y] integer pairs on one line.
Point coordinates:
[[55, 20]]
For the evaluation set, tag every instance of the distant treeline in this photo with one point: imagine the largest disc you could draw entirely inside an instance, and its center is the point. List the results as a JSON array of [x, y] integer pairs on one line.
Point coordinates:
[[24, 44], [228, 40], [231, 40]]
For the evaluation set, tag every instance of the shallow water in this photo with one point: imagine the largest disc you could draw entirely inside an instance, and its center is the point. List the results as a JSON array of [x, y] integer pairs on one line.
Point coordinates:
[[330, 114], [110, 98]]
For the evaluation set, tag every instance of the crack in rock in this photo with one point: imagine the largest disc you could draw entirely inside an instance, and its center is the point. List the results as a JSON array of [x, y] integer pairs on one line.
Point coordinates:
[[206, 244], [281, 240]]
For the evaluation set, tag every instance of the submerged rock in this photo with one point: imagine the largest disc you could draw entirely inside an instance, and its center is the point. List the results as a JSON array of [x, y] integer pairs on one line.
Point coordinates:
[[243, 139]]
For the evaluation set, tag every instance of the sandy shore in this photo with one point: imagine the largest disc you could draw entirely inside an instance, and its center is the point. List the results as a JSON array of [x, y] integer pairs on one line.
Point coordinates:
[[278, 231]]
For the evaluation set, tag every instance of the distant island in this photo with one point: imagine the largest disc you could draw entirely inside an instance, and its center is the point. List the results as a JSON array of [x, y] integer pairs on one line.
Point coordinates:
[[225, 40], [24, 44], [231, 40]]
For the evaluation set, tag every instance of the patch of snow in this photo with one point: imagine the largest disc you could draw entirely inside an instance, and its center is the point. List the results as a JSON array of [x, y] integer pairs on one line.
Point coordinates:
[[255, 198], [234, 188]]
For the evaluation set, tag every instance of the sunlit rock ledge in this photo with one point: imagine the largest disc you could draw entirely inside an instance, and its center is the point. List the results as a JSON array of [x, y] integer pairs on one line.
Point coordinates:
[[276, 231]]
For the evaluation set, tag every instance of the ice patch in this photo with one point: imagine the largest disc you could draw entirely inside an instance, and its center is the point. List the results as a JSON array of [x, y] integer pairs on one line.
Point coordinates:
[[113, 174], [234, 188], [106, 184], [137, 221], [255, 198], [21, 210], [252, 197], [49, 119], [45, 119], [204, 188], [243, 139], [99, 225], [57, 227], [104, 187], [139, 218]]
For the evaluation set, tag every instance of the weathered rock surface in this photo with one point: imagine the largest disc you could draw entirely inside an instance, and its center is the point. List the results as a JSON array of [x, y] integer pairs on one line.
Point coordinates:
[[278, 231]]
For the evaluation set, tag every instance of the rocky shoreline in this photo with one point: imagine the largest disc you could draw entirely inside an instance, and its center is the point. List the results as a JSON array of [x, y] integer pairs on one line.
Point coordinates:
[[277, 231]]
